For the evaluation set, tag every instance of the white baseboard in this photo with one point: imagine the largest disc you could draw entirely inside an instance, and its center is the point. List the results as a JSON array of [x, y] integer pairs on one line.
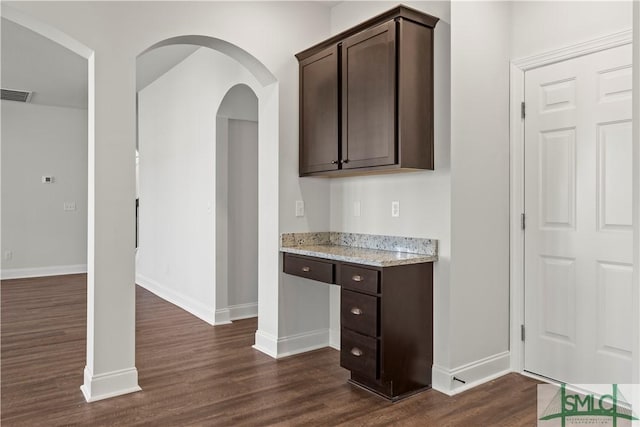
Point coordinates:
[[222, 317], [110, 384], [300, 343], [539, 378], [186, 303], [266, 343], [334, 339], [473, 374], [54, 270], [243, 311], [292, 344]]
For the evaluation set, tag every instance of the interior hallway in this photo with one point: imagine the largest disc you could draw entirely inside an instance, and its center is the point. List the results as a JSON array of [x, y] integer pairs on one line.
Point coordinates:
[[192, 373]]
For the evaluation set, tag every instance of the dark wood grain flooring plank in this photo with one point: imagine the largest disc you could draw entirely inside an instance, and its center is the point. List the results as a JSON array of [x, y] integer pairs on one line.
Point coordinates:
[[194, 374]]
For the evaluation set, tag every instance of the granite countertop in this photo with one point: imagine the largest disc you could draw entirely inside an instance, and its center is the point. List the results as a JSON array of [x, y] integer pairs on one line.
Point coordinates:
[[373, 250]]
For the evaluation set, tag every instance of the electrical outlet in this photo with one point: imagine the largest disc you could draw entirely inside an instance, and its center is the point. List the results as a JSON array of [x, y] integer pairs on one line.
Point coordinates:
[[299, 208], [356, 208], [8, 255], [395, 209], [46, 179]]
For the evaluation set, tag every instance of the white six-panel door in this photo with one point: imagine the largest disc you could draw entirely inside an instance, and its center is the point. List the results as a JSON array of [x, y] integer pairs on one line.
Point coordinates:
[[578, 236]]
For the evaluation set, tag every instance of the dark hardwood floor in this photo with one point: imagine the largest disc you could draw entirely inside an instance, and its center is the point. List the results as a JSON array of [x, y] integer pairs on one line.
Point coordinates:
[[193, 374]]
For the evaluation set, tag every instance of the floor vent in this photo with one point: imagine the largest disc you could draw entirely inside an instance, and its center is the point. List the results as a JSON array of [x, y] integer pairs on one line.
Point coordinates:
[[16, 95]]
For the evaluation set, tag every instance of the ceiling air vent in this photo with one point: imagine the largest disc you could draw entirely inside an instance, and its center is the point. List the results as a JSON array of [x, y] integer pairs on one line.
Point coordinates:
[[16, 95]]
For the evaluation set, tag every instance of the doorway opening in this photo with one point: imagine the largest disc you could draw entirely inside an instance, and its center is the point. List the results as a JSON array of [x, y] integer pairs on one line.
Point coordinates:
[[203, 178], [237, 206]]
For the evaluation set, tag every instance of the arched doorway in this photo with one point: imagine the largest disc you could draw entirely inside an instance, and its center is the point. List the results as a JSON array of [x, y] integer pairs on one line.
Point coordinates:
[[236, 280], [167, 255]]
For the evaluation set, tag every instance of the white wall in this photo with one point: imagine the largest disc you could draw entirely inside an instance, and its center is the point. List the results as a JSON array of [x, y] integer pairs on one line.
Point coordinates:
[[42, 140], [479, 292], [424, 197], [243, 212], [540, 26], [237, 206]]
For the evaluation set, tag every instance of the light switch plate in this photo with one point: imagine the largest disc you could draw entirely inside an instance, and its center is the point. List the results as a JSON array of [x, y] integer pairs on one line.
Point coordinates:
[[356, 208], [299, 208], [69, 206], [395, 209]]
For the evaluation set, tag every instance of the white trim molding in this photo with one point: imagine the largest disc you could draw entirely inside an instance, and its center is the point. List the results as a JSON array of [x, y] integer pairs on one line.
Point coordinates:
[[266, 343], [334, 339], [574, 51], [516, 201], [303, 342], [243, 311], [292, 344], [110, 384], [186, 303], [54, 270], [635, 304], [222, 316], [473, 374]]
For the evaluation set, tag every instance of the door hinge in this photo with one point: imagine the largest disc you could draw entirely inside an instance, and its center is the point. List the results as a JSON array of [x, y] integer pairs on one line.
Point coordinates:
[[523, 221], [522, 110], [522, 332]]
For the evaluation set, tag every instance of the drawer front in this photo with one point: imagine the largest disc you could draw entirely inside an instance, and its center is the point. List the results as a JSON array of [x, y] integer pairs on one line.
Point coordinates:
[[359, 312], [322, 271], [359, 353], [360, 279]]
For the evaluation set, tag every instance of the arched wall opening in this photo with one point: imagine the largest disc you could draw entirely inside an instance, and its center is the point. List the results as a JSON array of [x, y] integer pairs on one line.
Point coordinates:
[[177, 257], [236, 241]]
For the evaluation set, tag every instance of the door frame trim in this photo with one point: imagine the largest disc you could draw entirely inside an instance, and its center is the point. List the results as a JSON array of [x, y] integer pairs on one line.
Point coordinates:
[[518, 67]]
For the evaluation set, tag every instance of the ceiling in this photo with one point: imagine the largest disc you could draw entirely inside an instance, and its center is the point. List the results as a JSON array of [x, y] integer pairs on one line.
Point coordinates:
[[58, 76], [155, 63], [31, 62]]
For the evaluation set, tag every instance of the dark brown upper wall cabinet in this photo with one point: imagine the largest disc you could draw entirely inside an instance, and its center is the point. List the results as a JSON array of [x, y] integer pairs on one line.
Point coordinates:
[[366, 98], [319, 112]]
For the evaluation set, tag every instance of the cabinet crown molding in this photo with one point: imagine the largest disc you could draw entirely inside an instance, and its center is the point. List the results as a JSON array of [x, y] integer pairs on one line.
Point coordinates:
[[400, 11]]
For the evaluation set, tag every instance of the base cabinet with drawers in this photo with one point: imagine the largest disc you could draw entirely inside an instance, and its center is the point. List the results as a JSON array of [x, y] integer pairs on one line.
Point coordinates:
[[386, 321]]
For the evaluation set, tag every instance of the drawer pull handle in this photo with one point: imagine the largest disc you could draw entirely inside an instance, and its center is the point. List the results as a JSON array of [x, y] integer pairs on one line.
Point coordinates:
[[306, 269], [356, 352], [357, 278], [356, 311]]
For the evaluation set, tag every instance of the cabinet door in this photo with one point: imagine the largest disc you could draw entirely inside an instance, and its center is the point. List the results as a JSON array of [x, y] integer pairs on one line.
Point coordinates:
[[319, 112], [368, 98]]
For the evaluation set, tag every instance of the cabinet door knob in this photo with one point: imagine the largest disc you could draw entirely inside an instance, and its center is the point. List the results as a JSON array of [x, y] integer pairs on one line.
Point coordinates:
[[306, 269], [356, 352], [356, 311], [345, 161], [335, 162], [357, 278]]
